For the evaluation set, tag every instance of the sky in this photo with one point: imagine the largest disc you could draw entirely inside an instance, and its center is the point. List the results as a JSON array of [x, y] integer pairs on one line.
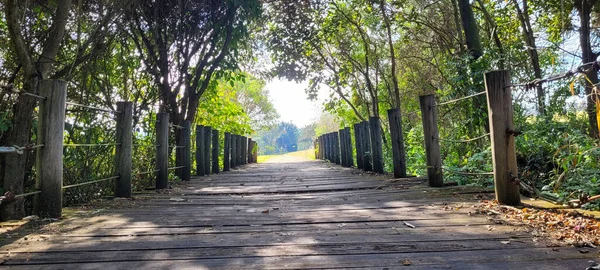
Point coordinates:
[[292, 104]]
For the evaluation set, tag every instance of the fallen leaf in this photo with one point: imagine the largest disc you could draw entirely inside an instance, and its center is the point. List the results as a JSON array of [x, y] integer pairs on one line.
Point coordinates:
[[406, 262], [266, 211]]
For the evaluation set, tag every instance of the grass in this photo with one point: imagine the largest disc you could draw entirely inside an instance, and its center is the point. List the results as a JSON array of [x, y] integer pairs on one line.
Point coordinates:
[[309, 154]]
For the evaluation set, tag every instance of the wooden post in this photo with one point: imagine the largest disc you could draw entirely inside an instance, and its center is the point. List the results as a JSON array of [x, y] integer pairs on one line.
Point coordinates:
[[233, 143], [215, 151], [341, 154], [504, 158], [200, 151], [226, 152], [249, 151], [124, 149], [358, 144], [187, 151], [376, 144], [328, 147], [367, 151], [432, 141], [321, 147], [207, 148], [255, 152], [244, 150], [398, 152], [349, 150], [239, 150], [336, 148], [162, 150], [49, 159]]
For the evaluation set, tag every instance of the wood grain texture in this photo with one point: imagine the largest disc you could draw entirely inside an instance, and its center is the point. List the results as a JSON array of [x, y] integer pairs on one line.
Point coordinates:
[[504, 158], [290, 213], [124, 149], [49, 161], [432, 141], [162, 150]]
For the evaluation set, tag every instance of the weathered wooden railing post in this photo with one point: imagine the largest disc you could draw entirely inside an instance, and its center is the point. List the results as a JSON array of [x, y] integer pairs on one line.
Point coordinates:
[[244, 150], [398, 152], [504, 158], [207, 148], [215, 151], [49, 158], [336, 147], [350, 161], [227, 152], [432, 141], [124, 149], [358, 144], [233, 143], [340, 135], [367, 151], [255, 153], [200, 151], [328, 144], [162, 150], [186, 171], [376, 144], [238, 150], [249, 151]]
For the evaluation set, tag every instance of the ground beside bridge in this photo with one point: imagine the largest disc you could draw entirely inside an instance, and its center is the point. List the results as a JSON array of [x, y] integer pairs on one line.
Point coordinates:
[[288, 213]]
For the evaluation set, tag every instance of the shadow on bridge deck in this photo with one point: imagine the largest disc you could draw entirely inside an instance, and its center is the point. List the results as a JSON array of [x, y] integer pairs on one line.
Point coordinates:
[[288, 213]]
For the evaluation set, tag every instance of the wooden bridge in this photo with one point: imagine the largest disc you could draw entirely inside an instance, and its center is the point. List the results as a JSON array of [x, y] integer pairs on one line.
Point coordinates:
[[286, 214]]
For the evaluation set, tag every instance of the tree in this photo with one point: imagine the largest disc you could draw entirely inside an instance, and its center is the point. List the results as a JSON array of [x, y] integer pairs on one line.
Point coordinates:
[[288, 138], [37, 34], [185, 44]]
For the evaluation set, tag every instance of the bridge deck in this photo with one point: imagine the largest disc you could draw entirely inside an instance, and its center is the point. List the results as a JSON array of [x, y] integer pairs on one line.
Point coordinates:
[[287, 215]]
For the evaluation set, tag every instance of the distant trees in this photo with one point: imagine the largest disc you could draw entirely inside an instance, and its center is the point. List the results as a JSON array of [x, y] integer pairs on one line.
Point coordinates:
[[282, 138]]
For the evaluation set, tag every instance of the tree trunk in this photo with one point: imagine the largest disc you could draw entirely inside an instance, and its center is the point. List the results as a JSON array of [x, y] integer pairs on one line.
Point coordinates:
[[584, 7], [13, 166], [528, 37], [470, 26]]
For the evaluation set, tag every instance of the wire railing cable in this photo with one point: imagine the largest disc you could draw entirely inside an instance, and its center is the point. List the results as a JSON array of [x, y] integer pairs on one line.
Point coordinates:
[[460, 99], [467, 140], [92, 108], [19, 149], [90, 182], [556, 77]]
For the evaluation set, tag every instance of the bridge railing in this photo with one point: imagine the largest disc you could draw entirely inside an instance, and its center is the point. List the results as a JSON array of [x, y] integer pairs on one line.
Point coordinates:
[[337, 148], [48, 201]]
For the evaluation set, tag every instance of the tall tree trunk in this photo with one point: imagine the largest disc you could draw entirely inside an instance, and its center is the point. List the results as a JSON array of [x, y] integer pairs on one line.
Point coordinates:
[[470, 26], [388, 27], [13, 166], [584, 8], [494, 32], [528, 37]]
